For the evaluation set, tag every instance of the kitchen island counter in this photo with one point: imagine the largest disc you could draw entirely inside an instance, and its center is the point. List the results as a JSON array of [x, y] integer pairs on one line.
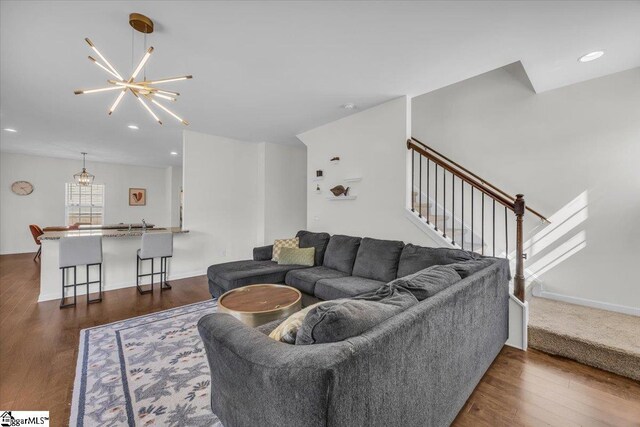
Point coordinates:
[[109, 232], [119, 248]]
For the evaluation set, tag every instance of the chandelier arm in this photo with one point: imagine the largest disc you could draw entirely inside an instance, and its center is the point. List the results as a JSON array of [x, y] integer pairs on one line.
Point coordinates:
[[184, 122], [146, 106], [159, 95], [143, 61], [95, 61], [102, 89], [95, 49], [117, 101], [139, 86], [168, 79]]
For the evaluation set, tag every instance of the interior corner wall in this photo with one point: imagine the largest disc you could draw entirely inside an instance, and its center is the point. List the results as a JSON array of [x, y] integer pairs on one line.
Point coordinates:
[[573, 152], [46, 205], [371, 145], [221, 200], [237, 195]]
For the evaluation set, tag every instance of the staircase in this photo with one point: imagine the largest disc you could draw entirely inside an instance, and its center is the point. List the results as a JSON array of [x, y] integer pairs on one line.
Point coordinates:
[[467, 212], [456, 230]]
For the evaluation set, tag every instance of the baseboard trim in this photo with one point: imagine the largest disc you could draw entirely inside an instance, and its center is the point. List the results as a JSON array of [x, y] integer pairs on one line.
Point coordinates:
[[114, 286], [539, 292]]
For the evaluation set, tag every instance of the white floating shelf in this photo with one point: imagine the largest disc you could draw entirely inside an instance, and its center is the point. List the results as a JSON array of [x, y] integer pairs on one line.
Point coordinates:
[[317, 178], [341, 198], [353, 179]]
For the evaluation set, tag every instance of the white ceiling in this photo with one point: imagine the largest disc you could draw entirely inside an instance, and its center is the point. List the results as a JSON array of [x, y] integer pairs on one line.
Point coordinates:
[[266, 71]]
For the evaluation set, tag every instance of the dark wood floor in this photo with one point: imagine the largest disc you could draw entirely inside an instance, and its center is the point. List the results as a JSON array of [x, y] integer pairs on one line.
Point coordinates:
[[39, 343]]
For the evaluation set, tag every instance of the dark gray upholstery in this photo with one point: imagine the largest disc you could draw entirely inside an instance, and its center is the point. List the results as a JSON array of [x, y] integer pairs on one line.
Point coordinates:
[[415, 369], [467, 268], [338, 320], [216, 290], [415, 258], [305, 279], [319, 241], [231, 275], [263, 253], [378, 259], [345, 287], [428, 282], [341, 253]]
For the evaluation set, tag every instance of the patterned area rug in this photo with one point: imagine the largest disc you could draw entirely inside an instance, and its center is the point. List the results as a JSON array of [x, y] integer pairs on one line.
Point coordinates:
[[149, 370]]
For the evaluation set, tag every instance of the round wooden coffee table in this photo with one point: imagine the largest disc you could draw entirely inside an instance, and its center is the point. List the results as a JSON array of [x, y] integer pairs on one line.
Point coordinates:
[[256, 305]]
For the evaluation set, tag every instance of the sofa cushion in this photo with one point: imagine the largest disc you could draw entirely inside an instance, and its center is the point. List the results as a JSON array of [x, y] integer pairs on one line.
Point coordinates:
[[288, 330], [428, 282], [378, 259], [467, 268], [341, 253], [319, 241], [415, 258], [305, 279], [338, 320], [345, 287], [294, 242], [297, 256], [231, 275]]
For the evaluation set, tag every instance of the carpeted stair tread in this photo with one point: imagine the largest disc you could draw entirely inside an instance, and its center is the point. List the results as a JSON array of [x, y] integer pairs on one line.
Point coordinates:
[[600, 338]]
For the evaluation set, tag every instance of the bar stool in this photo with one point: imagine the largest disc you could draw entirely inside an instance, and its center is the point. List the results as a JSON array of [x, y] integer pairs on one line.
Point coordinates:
[[77, 251], [36, 232], [154, 245]]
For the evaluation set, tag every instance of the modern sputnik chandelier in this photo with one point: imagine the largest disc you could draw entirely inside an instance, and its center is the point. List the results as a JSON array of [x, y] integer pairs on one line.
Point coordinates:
[[143, 89], [83, 178]]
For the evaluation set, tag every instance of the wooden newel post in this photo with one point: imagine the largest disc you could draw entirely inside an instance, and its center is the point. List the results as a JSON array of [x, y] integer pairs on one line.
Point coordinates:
[[518, 281]]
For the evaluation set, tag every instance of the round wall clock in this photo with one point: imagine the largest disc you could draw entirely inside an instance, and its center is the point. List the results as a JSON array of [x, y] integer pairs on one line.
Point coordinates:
[[22, 188]]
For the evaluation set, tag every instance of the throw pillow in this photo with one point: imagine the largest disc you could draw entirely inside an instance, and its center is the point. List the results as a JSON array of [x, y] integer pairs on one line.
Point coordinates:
[[297, 256], [283, 243], [338, 320], [288, 330], [428, 282]]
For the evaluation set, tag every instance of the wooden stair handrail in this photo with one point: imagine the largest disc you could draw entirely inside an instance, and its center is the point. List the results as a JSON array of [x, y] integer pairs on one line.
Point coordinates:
[[471, 178]]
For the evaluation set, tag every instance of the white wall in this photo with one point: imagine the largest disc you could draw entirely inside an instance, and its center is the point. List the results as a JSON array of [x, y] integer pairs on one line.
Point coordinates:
[[174, 187], [572, 151], [371, 144], [285, 190], [45, 206], [226, 187]]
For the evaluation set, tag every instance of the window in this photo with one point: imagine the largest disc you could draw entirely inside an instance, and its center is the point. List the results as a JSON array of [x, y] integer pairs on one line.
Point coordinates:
[[84, 204]]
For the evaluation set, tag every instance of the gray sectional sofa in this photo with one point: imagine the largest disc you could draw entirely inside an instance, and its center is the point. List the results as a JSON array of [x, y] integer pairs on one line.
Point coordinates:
[[345, 266], [416, 368]]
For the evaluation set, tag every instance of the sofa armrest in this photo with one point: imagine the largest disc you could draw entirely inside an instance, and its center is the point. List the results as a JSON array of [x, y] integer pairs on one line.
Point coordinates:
[[256, 380], [263, 253]]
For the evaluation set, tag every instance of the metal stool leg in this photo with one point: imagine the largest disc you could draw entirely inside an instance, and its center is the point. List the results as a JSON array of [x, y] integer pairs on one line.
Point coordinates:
[[74, 286], [164, 285], [139, 276], [99, 282]]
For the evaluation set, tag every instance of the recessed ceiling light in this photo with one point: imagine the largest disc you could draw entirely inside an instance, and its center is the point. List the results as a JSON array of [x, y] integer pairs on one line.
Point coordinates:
[[591, 56], [134, 127], [349, 106], [174, 153], [10, 130]]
